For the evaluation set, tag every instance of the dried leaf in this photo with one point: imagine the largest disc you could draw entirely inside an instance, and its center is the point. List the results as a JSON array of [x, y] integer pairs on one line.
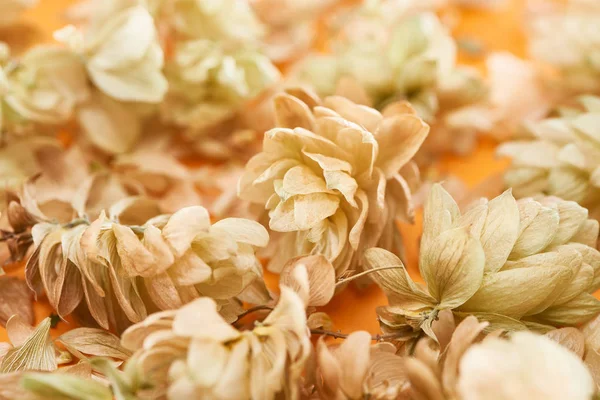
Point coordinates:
[[17, 299]]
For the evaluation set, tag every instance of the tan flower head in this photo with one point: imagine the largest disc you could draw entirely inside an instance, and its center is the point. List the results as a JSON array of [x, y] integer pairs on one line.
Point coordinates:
[[515, 264], [560, 157], [331, 177], [118, 272], [192, 352]]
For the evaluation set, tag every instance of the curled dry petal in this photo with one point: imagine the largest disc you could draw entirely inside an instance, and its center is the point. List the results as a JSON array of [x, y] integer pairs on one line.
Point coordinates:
[[321, 278]]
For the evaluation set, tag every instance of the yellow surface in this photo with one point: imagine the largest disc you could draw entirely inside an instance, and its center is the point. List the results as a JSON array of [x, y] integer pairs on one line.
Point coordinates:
[[354, 309]]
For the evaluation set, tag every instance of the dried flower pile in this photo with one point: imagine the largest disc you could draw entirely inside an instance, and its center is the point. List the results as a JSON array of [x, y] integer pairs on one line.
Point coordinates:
[[138, 204]]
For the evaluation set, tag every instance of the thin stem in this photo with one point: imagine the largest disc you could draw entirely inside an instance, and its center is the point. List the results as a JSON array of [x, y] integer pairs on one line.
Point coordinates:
[[351, 278], [253, 309]]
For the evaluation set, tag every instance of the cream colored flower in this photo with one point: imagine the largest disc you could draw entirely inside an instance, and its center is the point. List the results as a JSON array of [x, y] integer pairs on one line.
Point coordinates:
[[567, 38], [559, 157], [210, 81], [525, 366], [44, 86], [124, 58], [331, 177], [120, 271], [12, 10], [193, 353], [526, 264], [228, 20], [385, 51]]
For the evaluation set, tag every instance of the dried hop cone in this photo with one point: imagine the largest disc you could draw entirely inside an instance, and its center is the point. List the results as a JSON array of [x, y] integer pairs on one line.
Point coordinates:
[[333, 176], [468, 364], [117, 273], [561, 157], [517, 264], [193, 353]]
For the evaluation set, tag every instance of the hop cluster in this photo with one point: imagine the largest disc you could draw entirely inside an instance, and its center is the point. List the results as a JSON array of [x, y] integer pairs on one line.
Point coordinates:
[[180, 355], [489, 261], [560, 157], [332, 177], [115, 273]]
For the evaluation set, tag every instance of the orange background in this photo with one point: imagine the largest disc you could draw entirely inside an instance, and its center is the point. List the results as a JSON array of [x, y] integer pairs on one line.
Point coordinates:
[[500, 30]]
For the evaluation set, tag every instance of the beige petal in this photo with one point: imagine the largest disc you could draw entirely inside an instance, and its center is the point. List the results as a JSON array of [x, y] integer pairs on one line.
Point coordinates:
[[183, 226], [330, 371], [572, 217], [515, 292], [291, 112], [302, 180], [463, 337], [353, 356], [570, 338], [321, 278], [440, 213], [395, 282], [537, 228], [189, 270], [423, 380], [244, 231], [311, 209], [498, 231], [342, 182], [201, 320], [206, 361], [577, 311], [94, 342], [453, 267], [36, 353], [16, 299], [399, 138]]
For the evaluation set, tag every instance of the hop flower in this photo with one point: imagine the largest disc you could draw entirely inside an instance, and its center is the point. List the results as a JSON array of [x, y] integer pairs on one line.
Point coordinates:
[[526, 264], [330, 176], [118, 272], [44, 86], [210, 81], [470, 365], [561, 157], [568, 39], [192, 352], [385, 51]]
